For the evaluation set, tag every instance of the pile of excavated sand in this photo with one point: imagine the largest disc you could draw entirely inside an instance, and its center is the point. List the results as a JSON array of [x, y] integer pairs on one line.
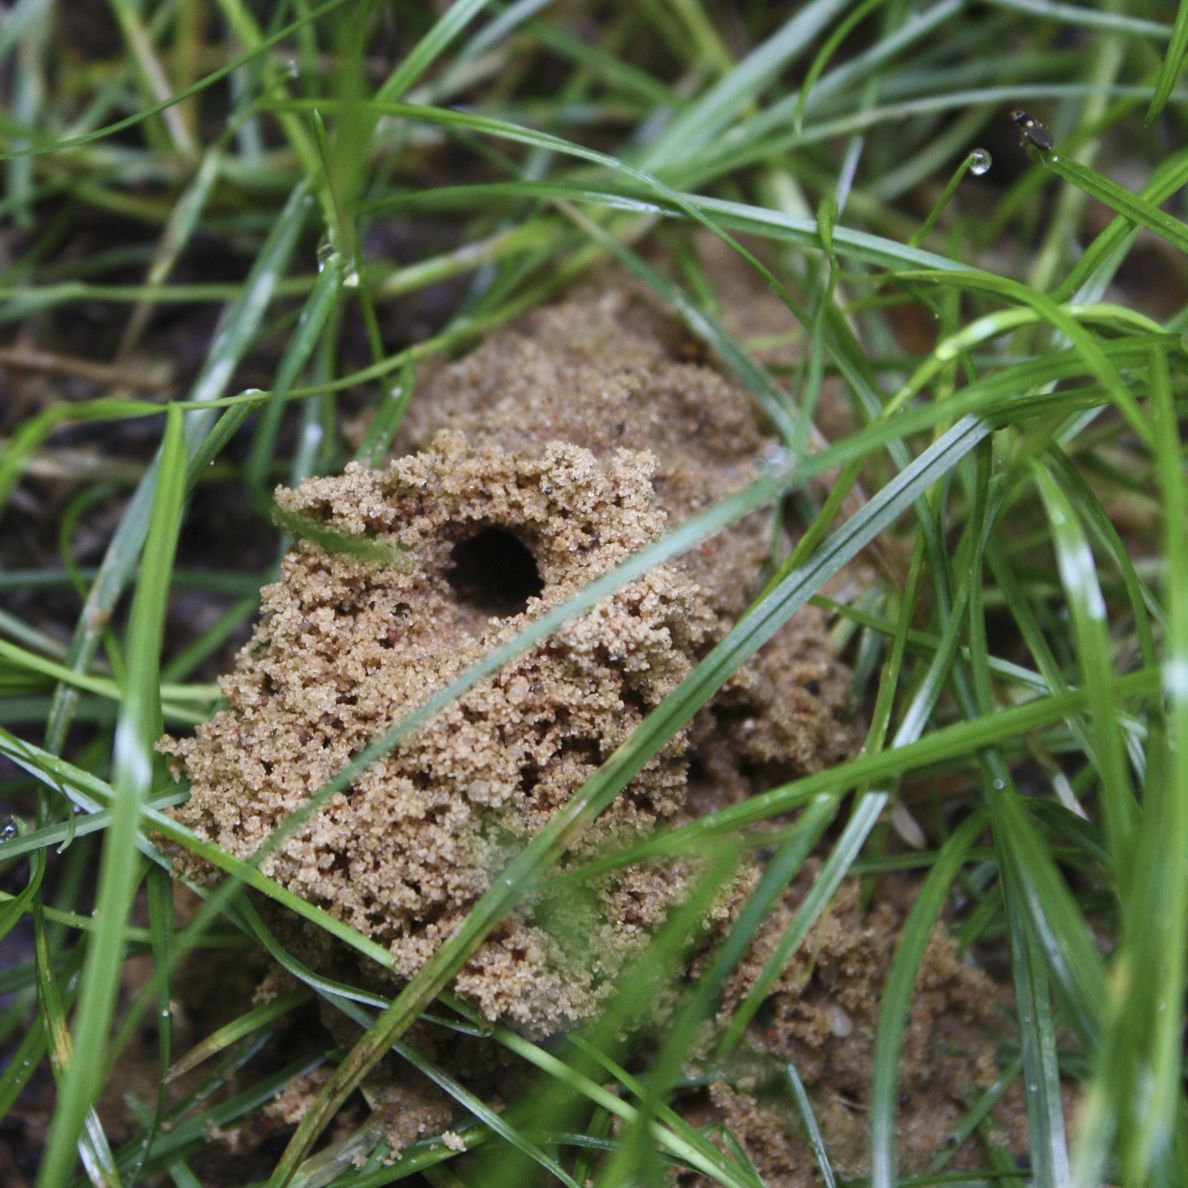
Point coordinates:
[[542, 460], [528, 468]]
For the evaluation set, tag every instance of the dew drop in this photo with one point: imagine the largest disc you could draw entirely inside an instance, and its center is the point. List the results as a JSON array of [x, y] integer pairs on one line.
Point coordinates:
[[979, 162], [294, 72]]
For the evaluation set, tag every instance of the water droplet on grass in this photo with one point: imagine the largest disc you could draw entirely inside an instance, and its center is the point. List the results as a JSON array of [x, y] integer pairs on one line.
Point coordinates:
[[979, 162]]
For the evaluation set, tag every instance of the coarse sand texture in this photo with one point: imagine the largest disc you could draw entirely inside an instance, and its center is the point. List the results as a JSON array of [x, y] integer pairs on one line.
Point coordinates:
[[538, 462]]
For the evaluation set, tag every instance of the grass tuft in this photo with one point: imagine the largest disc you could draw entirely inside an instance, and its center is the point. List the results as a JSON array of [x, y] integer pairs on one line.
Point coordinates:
[[236, 235]]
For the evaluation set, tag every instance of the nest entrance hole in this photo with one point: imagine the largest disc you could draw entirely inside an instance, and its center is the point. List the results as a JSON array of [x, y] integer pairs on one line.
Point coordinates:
[[493, 572]]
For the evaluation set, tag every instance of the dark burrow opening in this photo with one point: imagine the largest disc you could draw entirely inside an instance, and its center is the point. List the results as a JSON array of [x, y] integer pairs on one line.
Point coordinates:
[[494, 572]]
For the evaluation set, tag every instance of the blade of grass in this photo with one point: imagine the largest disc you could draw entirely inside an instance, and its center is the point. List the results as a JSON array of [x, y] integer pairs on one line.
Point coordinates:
[[1133, 207], [1037, 1034], [897, 996], [1173, 60], [1136, 1096], [812, 1131], [231, 1033], [46, 145], [93, 1148], [160, 913], [237, 328], [138, 729], [705, 118], [312, 320], [1095, 652]]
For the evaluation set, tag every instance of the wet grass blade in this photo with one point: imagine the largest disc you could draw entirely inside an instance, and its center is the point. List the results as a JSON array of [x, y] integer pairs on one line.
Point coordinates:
[[1134, 207]]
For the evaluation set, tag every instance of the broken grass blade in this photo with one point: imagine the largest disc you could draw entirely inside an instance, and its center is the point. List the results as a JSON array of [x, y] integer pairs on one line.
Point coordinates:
[[754, 630]]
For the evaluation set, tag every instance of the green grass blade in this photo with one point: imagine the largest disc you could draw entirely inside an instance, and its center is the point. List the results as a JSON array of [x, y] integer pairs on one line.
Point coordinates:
[[1173, 60], [240, 1027], [811, 1130], [897, 996], [1103, 256], [138, 730], [1134, 207], [1037, 1034], [1137, 1093], [423, 54], [1160, 963], [238, 327], [315, 313], [1095, 651], [94, 1151], [708, 115]]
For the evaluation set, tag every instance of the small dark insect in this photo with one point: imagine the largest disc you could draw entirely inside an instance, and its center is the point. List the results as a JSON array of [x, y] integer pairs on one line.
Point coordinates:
[[1031, 131]]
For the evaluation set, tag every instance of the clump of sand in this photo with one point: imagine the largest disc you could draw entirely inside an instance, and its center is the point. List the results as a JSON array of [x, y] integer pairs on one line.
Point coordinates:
[[524, 470], [821, 1016], [539, 461]]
